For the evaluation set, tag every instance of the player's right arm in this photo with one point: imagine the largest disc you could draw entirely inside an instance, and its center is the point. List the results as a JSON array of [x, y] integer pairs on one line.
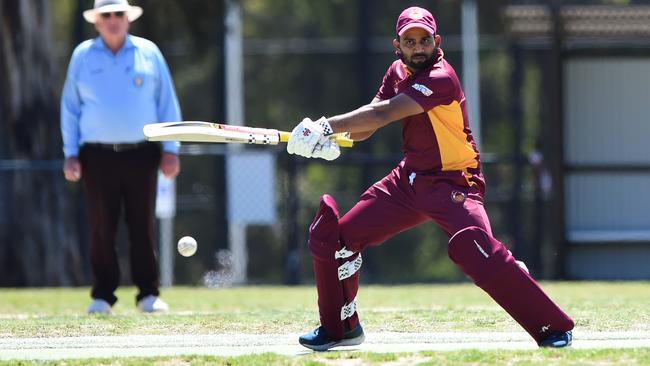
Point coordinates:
[[360, 136], [309, 138], [385, 92], [70, 114], [373, 116]]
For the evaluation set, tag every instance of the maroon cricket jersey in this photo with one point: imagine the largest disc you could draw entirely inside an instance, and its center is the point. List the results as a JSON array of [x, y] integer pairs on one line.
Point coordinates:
[[439, 139]]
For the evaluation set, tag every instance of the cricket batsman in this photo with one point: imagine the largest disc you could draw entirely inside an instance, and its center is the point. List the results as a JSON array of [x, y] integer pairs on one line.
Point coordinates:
[[439, 179]]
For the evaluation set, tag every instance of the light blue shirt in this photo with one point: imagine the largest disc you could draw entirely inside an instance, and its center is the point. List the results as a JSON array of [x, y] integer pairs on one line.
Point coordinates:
[[108, 98]]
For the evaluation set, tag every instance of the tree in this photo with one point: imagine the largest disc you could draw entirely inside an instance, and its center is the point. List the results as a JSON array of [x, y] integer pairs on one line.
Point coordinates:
[[37, 246]]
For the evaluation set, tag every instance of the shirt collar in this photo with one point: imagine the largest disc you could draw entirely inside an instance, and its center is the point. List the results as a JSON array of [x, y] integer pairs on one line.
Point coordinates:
[[128, 43]]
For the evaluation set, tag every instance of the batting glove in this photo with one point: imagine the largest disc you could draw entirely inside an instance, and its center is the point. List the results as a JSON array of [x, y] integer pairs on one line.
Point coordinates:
[[326, 149], [306, 135]]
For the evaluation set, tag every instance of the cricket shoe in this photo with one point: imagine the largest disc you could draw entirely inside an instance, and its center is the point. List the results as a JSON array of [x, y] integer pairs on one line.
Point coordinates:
[[557, 340], [318, 340], [152, 304], [99, 306]]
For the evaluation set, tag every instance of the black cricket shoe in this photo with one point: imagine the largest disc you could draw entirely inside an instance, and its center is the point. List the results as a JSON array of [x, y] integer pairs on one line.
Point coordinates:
[[318, 340], [557, 340]]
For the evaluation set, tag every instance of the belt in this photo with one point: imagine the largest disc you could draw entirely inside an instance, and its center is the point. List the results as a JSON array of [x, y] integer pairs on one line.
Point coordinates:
[[473, 171], [119, 147]]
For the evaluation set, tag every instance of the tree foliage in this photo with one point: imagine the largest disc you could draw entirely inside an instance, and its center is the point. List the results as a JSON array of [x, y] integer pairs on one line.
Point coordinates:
[[301, 58], [37, 245]]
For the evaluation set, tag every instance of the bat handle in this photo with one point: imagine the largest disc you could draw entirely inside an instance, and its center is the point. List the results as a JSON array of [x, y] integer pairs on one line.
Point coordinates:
[[284, 136], [341, 138]]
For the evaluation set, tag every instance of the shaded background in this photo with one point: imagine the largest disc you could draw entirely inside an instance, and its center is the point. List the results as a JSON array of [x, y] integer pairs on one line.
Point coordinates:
[[306, 58]]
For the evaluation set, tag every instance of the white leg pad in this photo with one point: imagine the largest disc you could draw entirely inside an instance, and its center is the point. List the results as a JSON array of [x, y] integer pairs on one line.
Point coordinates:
[[349, 309], [349, 268], [521, 264], [343, 253]]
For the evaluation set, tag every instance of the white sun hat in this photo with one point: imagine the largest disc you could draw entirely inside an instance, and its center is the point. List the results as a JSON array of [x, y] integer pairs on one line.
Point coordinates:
[[109, 6]]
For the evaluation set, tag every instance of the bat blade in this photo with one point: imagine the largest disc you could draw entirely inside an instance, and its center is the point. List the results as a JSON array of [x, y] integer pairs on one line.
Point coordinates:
[[198, 131]]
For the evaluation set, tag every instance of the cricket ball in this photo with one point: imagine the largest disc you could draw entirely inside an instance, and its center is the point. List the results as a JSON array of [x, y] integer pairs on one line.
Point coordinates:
[[186, 246]]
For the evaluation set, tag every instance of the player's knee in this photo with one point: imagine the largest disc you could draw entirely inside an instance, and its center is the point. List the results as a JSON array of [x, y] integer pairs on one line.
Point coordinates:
[[478, 254], [325, 241], [324, 230]]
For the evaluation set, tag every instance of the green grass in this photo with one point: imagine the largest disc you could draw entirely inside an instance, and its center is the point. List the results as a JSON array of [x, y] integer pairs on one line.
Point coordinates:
[[595, 306], [543, 357], [418, 308]]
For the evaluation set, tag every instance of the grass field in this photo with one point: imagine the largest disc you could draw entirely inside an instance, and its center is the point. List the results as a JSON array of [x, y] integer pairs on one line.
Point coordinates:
[[595, 306]]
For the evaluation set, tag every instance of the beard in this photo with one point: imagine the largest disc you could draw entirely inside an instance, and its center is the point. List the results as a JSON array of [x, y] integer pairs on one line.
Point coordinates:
[[421, 65]]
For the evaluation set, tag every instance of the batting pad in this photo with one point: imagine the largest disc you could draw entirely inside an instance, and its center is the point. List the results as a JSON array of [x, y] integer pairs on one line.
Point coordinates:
[[488, 262], [336, 271]]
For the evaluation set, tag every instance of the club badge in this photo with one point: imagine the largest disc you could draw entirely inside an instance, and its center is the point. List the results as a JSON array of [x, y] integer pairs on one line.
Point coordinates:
[[138, 81], [457, 197], [416, 14]]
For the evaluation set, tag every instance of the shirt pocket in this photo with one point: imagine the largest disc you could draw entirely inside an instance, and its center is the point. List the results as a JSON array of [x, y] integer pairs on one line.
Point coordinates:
[[143, 77]]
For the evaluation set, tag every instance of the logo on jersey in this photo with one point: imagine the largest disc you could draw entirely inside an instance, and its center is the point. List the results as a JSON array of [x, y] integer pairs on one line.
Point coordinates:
[[457, 197], [422, 89]]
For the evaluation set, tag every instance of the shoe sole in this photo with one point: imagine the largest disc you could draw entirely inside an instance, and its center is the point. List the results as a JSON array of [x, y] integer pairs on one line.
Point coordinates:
[[559, 343], [343, 342], [554, 345]]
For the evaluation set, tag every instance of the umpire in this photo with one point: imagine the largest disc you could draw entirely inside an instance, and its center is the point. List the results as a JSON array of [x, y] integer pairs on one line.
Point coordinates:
[[116, 83]]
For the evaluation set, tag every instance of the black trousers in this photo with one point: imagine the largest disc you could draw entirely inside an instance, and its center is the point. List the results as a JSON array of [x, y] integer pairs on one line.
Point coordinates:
[[113, 180]]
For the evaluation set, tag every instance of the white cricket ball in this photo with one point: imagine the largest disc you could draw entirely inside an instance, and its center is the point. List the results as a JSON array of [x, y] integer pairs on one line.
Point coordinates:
[[186, 246]]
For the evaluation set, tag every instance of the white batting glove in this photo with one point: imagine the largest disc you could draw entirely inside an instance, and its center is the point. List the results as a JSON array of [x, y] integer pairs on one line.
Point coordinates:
[[326, 149], [306, 135]]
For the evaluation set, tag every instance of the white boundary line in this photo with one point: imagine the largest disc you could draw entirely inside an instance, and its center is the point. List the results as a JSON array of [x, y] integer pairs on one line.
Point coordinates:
[[236, 344]]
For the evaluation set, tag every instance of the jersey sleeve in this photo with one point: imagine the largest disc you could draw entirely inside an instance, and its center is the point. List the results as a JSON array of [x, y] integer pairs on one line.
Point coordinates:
[[167, 104], [71, 106], [433, 89], [386, 90]]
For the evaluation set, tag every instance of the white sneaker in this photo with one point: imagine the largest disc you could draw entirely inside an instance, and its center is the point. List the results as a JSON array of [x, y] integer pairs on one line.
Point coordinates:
[[99, 306], [151, 304]]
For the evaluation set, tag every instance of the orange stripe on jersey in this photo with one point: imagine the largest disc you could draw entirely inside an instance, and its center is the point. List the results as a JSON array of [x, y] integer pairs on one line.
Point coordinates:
[[456, 153]]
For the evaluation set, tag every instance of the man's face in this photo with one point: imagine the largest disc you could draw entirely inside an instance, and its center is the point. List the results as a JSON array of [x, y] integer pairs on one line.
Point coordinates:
[[112, 26], [418, 48]]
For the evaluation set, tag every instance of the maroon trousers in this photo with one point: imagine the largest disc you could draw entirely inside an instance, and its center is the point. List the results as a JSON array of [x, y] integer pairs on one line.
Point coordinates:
[[114, 180], [402, 200]]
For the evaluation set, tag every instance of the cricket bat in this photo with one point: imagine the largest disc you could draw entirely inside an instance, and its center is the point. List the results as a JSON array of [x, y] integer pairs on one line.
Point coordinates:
[[196, 131]]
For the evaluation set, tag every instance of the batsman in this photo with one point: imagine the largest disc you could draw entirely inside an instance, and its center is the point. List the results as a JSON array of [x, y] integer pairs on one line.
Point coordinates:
[[439, 179]]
